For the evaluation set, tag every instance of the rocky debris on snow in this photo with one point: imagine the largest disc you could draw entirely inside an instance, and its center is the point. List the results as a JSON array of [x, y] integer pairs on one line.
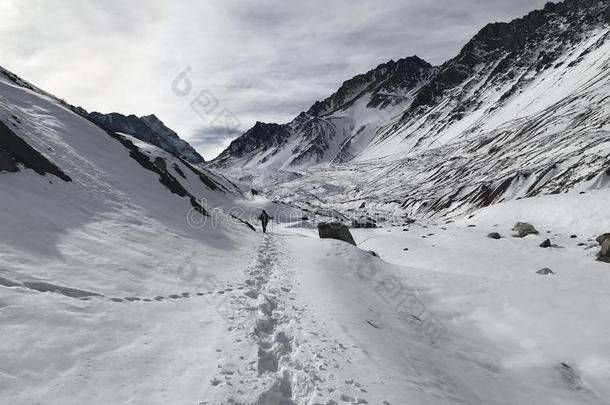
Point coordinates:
[[335, 230], [373, 253], [604, 254], [494, 235], [364, 222], [573, 236], [362, 205], [523, 229], [545, 271], [546, 244]]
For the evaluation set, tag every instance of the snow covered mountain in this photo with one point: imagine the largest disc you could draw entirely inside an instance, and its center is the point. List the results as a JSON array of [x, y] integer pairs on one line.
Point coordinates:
[[522, 110], [149, 129], [336, 129], [129, 275]]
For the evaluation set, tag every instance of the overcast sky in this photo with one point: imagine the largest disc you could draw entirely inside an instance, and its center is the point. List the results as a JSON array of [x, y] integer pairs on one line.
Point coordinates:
[[260, 60]]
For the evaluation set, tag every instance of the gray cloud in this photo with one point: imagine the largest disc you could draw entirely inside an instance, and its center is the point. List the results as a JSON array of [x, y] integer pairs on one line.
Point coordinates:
[[264, 60]]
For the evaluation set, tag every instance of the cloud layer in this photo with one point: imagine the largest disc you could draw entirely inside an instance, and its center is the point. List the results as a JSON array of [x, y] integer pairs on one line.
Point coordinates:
[[263, 60]]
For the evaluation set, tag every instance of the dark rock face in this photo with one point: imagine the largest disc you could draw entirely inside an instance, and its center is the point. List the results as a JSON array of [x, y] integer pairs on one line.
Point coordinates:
[[512, 44], [7, 162], [261, 136], [382, 82], [494, 235], [523, 229], [335, 230], [15, 150], [148, 129]]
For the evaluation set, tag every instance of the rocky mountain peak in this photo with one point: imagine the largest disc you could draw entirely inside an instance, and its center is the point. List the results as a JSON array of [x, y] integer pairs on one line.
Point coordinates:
[[148, 128], [402, 74]]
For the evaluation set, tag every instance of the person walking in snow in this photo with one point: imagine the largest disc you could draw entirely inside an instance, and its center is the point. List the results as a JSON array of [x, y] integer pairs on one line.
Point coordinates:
[[264, 218]]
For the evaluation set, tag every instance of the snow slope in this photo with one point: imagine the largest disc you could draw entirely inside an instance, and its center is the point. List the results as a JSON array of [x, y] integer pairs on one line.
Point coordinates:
[[125, 276]]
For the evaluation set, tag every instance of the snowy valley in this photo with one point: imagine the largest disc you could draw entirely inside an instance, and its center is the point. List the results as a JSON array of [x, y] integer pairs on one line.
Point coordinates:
[[134, 272]]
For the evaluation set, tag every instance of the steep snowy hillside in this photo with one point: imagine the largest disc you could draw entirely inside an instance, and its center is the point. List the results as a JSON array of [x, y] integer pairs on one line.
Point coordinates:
[[336, 129], [130, 276], [148, 129], [522, 110]]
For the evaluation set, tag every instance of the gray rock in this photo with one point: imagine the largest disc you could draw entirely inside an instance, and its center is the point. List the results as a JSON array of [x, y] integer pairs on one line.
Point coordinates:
[[335, 230], [523, 229], [604, 254], [601, 238], [7, 163], [546, 244], [545, 271], [494, 235]]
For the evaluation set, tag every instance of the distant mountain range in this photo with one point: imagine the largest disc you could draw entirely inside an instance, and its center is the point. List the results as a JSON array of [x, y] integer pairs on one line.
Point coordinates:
[[521, 110]]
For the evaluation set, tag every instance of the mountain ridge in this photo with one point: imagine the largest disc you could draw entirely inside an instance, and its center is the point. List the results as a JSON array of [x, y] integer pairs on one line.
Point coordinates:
[[150, 129], [520, 111]]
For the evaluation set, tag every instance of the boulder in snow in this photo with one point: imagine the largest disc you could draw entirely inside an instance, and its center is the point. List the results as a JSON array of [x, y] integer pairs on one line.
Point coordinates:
[[604, 254], [545, 271], [335, 230], [494, 235], [160, 163], [546, 244], [523, 229]]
